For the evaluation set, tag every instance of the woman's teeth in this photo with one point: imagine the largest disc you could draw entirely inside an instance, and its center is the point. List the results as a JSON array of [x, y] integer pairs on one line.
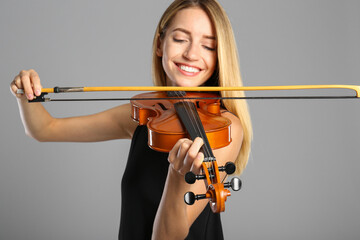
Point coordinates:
[[189, 69]]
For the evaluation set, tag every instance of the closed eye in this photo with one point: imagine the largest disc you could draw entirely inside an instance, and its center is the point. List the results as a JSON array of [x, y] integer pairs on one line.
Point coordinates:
[[178, 40], [209, 48]]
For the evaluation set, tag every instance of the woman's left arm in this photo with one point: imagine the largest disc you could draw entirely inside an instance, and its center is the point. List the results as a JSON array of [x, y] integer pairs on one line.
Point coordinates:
[[174, 218]]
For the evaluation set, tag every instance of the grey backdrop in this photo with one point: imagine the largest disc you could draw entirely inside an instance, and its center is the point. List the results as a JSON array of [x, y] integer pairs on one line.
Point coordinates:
[[302, 179]]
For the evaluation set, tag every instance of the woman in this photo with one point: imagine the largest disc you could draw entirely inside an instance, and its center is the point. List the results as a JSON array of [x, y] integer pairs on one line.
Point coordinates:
[[193, 46]]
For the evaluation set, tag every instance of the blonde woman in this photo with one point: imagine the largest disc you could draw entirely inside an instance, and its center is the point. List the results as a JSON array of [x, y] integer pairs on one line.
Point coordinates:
[[193, 46]]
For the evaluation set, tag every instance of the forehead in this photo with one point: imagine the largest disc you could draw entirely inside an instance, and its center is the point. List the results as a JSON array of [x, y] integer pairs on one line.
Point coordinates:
[[195, 20]]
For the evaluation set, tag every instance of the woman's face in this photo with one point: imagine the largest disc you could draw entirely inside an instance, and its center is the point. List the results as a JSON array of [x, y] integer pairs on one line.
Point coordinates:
[[188, 49]]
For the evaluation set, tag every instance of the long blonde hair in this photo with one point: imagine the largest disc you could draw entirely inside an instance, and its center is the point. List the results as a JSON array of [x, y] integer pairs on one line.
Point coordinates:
[[227, 73]]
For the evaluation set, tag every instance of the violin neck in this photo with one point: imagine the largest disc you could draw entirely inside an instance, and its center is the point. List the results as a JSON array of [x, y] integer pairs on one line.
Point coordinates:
[[189, 117]]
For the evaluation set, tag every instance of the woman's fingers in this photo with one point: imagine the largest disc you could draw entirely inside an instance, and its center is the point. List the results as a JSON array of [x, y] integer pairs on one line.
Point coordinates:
[[193, 155], [26, 83], [178, 153], [186, 155], [197, 163], [15, 85], [174, 152], [29, 81], [35, 79]]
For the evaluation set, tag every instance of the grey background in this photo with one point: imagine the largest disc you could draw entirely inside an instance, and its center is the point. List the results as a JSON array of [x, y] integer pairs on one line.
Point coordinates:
[[302, 179]]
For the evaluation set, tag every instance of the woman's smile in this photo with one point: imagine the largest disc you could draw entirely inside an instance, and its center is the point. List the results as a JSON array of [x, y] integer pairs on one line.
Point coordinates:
[[188, 70]]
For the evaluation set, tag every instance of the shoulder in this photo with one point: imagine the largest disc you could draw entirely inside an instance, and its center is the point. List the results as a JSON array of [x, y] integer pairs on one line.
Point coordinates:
[[230, 152], [236, 127]]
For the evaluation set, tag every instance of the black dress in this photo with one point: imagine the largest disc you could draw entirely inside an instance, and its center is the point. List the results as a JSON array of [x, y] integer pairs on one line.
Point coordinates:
[[141, 188]]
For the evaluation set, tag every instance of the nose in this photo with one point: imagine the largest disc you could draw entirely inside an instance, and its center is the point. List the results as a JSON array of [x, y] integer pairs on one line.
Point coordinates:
[[192, 52]]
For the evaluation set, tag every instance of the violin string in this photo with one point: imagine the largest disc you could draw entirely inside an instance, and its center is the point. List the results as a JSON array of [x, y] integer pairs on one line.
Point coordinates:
[[205, 146], [187, 106], [224, 178], [191, 108]]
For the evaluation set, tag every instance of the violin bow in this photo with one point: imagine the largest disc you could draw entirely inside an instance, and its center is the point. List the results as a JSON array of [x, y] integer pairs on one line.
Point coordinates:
[[45, 91], [216, 190]]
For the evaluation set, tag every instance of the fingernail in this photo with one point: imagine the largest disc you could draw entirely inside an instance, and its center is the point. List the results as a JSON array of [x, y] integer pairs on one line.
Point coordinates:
[[37, 92], [30, 96]]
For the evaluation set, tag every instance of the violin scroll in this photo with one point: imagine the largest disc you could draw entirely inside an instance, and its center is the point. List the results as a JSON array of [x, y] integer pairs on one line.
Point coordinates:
[[217, 192]]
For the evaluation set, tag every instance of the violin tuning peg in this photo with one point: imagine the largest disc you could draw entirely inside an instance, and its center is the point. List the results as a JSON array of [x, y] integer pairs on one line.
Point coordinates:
[[234, 184], [229, 168], [190, 177], [190, 197]]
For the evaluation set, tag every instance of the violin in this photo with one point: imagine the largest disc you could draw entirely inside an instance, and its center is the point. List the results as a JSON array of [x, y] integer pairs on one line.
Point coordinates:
[[169, 118]]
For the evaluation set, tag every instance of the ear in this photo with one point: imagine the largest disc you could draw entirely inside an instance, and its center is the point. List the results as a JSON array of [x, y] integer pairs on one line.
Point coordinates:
[[159, 51]]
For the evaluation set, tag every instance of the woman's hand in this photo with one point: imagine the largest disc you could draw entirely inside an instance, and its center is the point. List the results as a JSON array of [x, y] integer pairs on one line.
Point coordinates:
[[29, 81], [185, 156]]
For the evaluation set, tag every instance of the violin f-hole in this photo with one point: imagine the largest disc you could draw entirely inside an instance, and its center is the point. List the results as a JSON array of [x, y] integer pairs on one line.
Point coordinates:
[[162, 106]]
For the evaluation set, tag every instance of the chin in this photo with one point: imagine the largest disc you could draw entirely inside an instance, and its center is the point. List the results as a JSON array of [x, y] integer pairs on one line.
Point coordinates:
[[188, 83]]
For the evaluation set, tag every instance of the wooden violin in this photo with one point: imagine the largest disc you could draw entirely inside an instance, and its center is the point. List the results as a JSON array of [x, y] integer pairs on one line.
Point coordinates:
[[169, 118]]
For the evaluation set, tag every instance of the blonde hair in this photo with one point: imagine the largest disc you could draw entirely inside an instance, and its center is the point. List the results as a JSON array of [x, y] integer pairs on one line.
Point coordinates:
[[227, 73]]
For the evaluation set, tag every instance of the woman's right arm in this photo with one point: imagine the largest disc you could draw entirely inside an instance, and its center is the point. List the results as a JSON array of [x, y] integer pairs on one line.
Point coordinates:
[[115, 123]]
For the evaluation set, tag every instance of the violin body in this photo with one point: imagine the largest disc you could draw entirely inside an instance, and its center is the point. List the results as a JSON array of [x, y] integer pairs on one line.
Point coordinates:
[[164, 126], [187, 115]]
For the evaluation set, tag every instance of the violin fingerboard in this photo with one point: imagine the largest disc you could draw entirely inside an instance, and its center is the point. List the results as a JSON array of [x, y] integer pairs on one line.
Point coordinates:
[[189, 117]]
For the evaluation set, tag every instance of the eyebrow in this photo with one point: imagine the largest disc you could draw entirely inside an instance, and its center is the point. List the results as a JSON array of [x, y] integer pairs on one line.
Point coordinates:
[[189, 33]]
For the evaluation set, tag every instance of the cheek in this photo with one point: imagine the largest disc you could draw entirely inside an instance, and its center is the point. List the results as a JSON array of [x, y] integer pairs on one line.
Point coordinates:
[[165, 62], [164, 57], [212, 60], [169, 53]]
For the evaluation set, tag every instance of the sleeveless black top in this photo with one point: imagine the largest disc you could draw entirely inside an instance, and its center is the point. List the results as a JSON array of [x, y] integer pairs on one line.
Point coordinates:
[[141, 188]]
